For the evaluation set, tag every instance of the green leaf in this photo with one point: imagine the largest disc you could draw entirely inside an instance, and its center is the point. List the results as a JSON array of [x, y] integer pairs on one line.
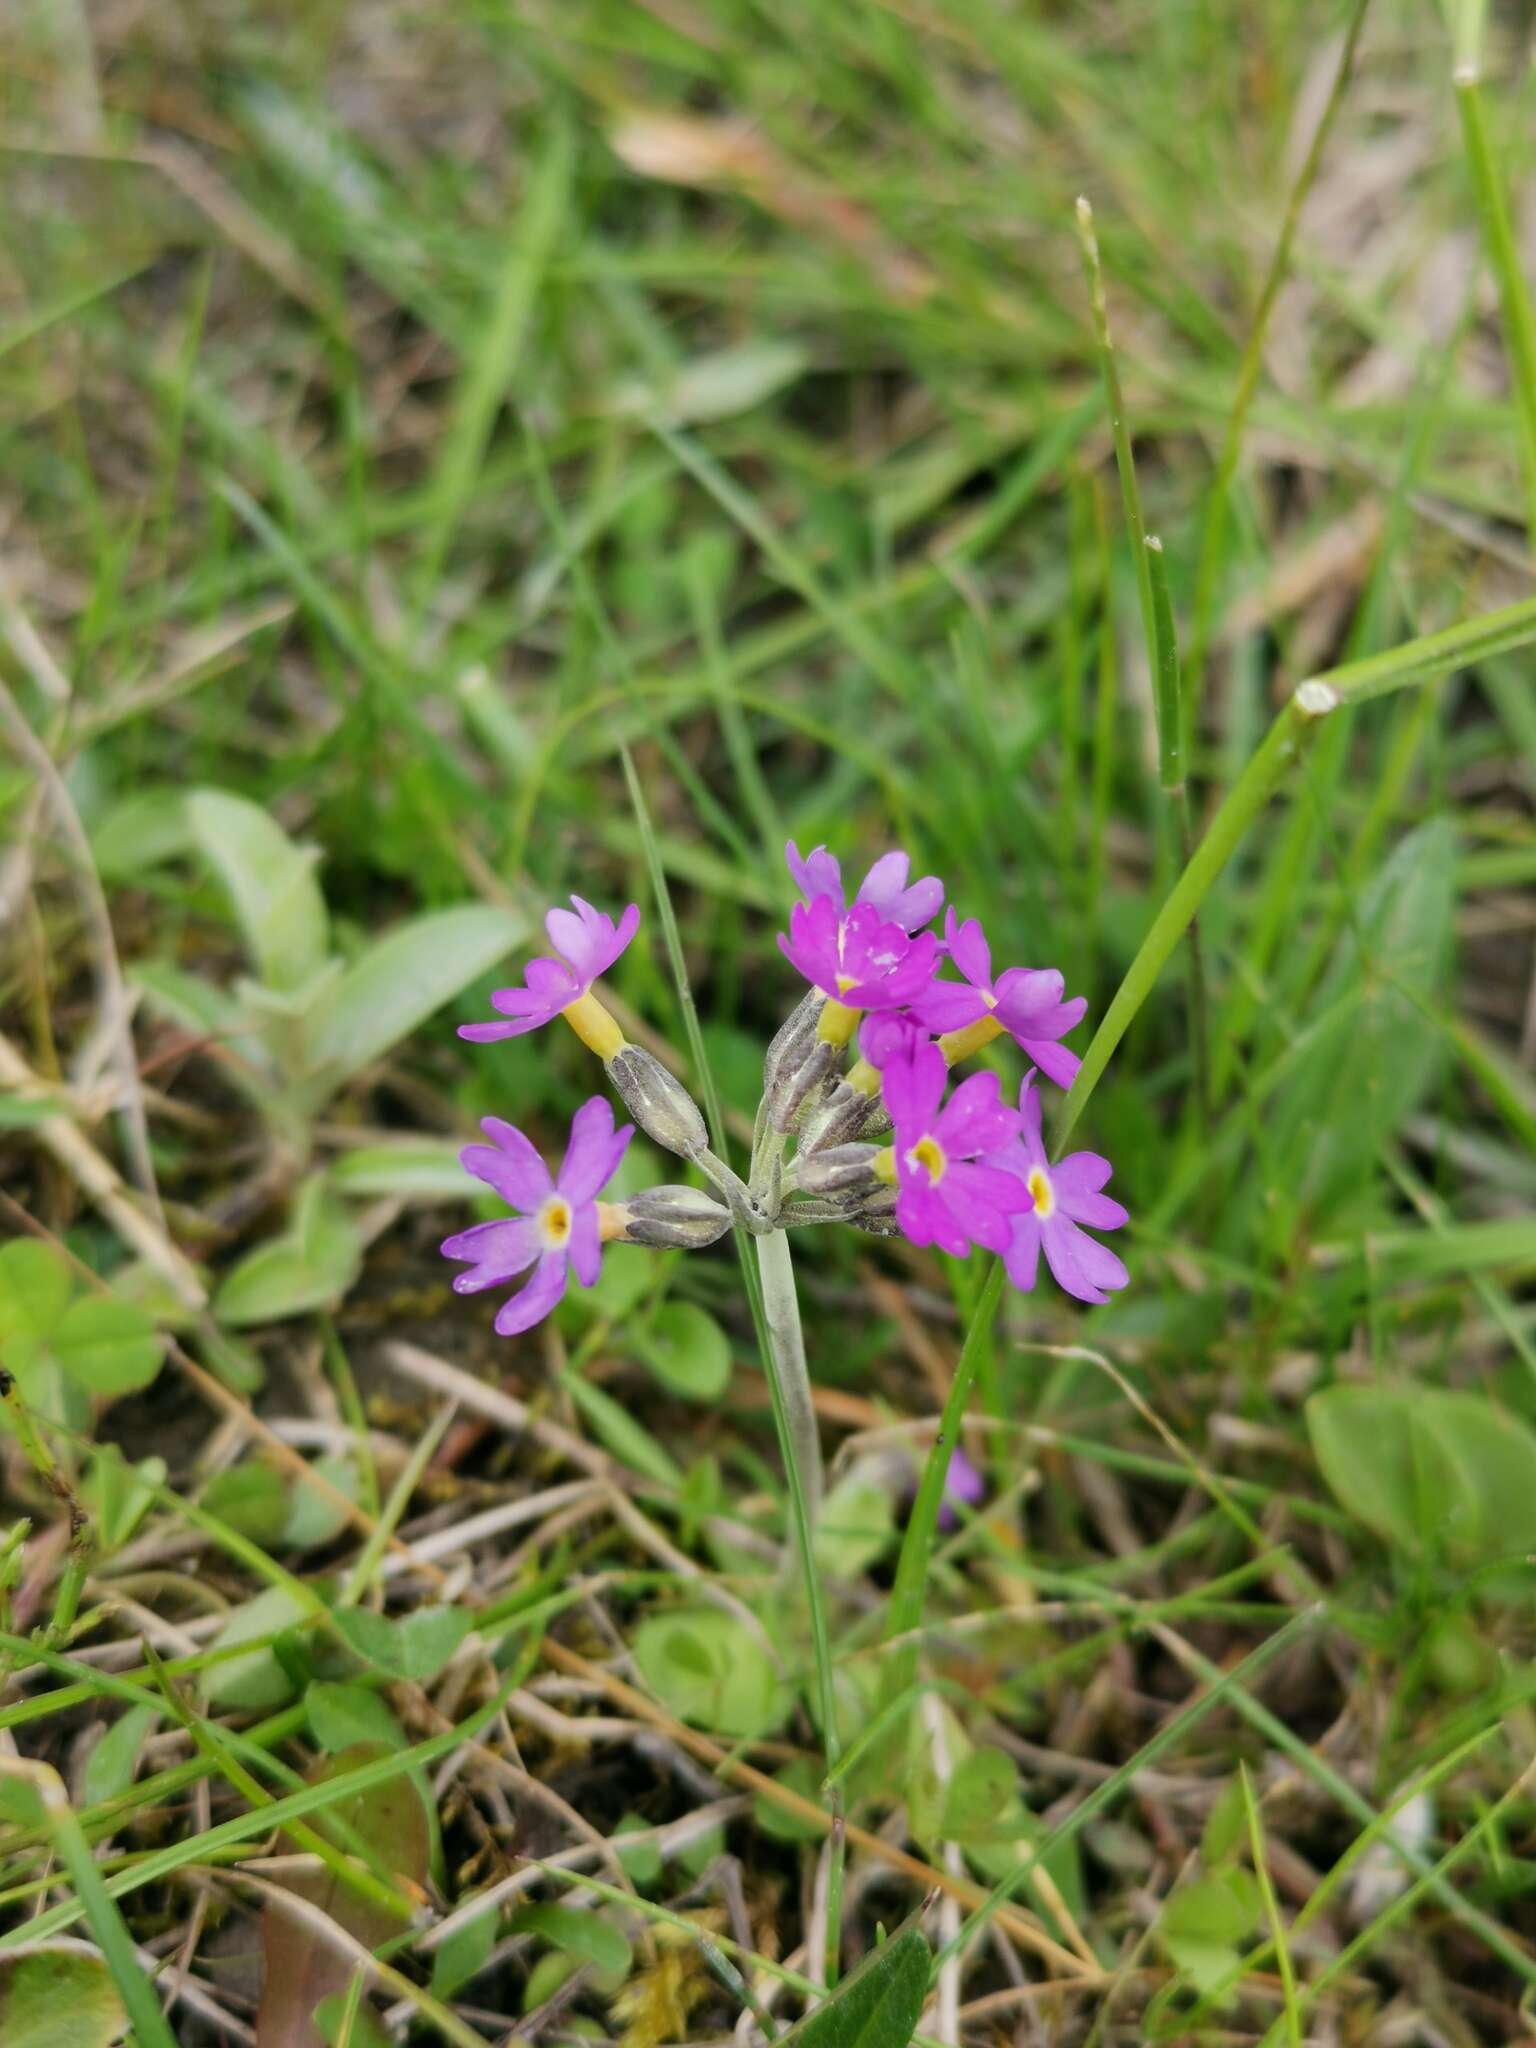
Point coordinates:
[[416, 1646], [111, 1764], [1361, 1068], [1489, 1457], [270, 883], [720, 384], [58, 1996], [402, 978], [312, 1517], [250, 1498], [35, 1286], [585, 1935], [981, 1800], [139, 831], [464, 1954], [878, 2006], [256, 1679], [856, 1527], [106, 1346], [687, 1351], [367, 2031], [342, 1715], [621, 1433], [1204, 1924], [628, 1274], [1226, 1826], [711, 1670], [1429, 1470], [120, 1495], [312, 1265], [642, 1860], [779, 1822], [419, 1168]]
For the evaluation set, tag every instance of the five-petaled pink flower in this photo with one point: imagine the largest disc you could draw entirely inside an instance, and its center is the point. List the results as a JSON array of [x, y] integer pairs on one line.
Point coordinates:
[[859, 960], [886, 1035], [557, 1228], [588, 941], [1026, 1001], [1063, 1197], [950, 1190], [885, 886]]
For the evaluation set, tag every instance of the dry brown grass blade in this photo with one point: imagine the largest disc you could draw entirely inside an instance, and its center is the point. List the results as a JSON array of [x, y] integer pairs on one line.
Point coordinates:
[[1019, 1926]]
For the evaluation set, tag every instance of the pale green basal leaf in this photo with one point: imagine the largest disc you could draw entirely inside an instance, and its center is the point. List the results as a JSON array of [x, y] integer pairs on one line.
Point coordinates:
[[110, 1767], [1366, 1062], [59, 1995], [402, 978], [420, 1169], [256, 1679], [585, 1935], [709, 1668], [270, 882], [878, 2006], [687, 1351], [119, 1495], [310, 1266], [1204, 1924], [1430, 1469], [343, 1715], [464, 1954], [314, 1517], [721, 384], [642, 1861], [1368, 1451], [856, 1527], [35, 1287], [140, 831], [416, 1646], [250, 1498], [107, 1347]]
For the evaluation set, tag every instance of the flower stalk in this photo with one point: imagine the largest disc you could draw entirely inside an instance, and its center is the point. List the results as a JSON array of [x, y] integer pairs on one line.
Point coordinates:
[[786, 1343]]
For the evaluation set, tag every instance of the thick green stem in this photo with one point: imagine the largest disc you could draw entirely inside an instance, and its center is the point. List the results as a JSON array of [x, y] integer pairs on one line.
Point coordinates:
[[781, 1312]]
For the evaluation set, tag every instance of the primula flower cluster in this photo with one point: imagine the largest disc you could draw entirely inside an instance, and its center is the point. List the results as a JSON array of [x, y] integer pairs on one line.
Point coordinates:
[[856, 1081]]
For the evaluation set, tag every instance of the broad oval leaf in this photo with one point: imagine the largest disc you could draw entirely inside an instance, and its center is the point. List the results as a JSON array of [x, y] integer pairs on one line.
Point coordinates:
[[402, 978], [878, 2006], [580, 1933], [687, 1350], [1429, 1469], [58, 1995], [711, 1670], [415, 1646], [255, 1679], [35, 1287], [423, 1169], [107, 1347], [270, 883], [310, 1266], [111, 1764]]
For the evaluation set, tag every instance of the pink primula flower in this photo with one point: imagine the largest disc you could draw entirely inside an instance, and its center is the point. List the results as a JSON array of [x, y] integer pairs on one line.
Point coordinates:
[[885, 886], [951, 1191], [1064, 1196], [588, 942], [1026, 1001], [557, 1228], [860, 960]]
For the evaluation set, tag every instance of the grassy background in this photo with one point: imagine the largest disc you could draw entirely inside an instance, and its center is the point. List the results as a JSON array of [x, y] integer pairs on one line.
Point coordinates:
[[404, 408]]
